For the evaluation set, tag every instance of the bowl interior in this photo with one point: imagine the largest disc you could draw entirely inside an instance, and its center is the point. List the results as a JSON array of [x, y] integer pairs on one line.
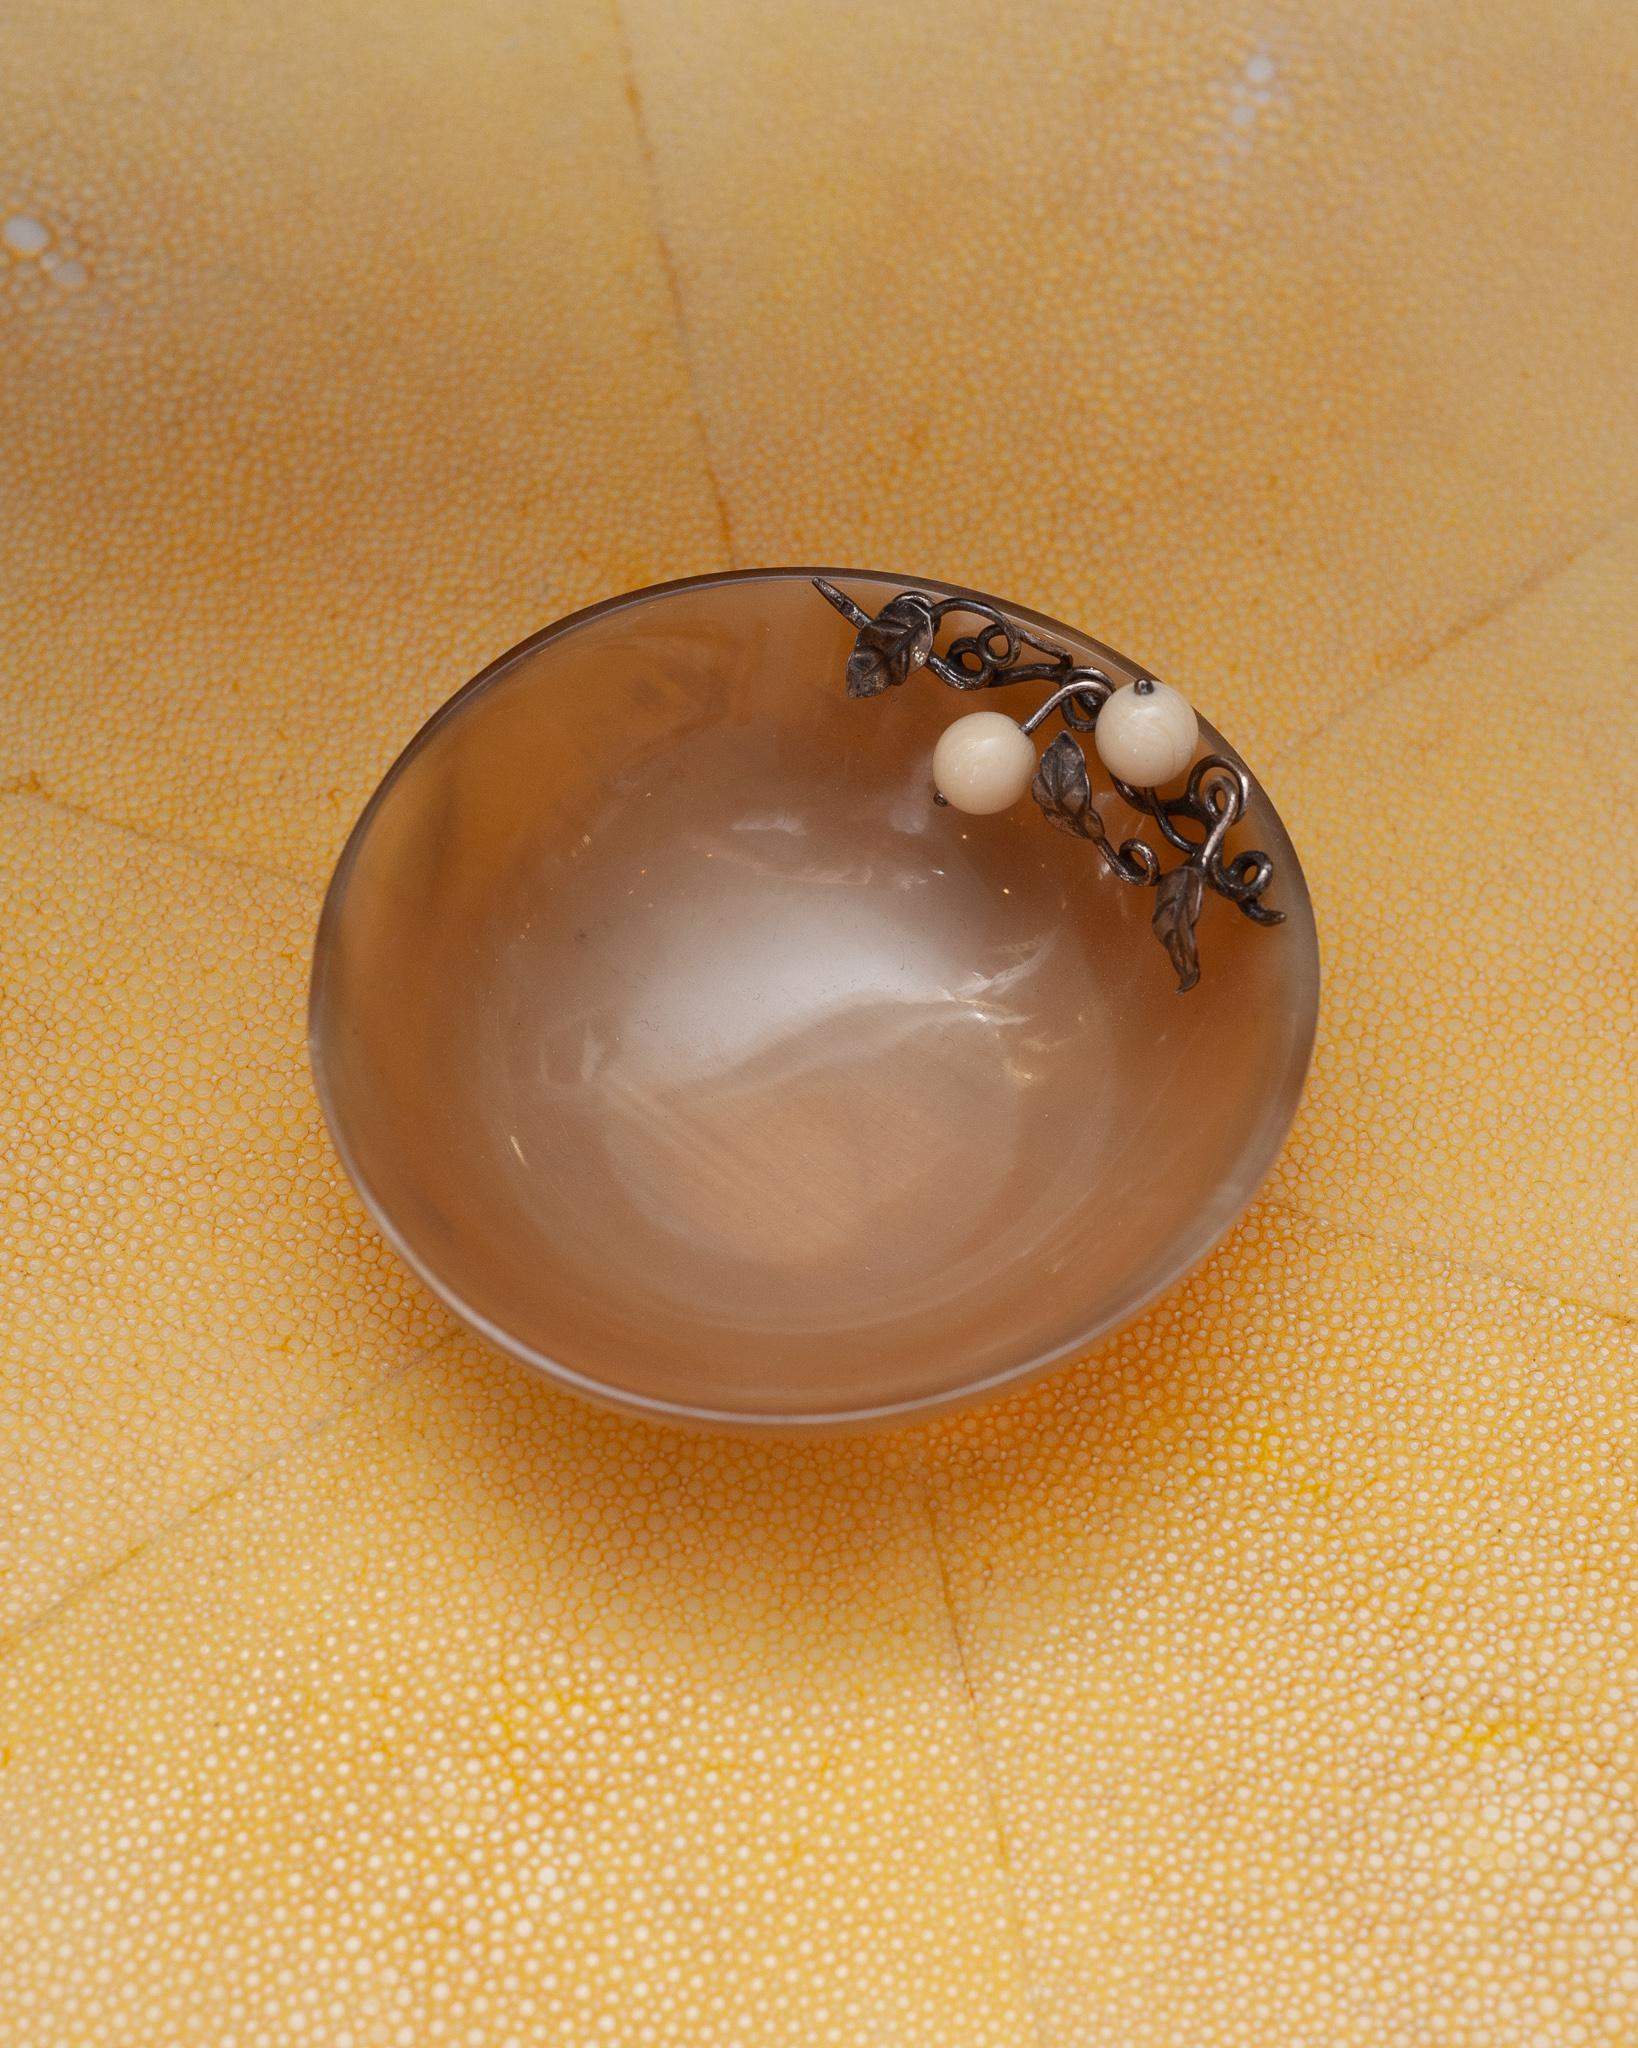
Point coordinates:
[[688, 1050]]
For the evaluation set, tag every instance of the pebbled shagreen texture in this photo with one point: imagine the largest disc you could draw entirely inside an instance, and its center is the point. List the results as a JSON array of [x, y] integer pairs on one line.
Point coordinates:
[[1268, 1679]]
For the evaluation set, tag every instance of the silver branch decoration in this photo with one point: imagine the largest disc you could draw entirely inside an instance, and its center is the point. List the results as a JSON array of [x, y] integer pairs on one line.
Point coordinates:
[[902, 638]]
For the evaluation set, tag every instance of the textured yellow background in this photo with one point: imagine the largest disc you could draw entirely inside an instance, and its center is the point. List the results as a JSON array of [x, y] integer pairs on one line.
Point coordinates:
[[1269, 1679]]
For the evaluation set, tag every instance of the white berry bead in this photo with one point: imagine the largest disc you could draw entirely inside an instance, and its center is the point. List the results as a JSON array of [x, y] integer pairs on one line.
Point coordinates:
[[983, 763], [1146, 735]]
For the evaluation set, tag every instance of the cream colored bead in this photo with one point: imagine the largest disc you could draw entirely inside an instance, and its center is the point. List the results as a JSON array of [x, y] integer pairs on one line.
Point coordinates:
[[983, 763], [1146, 735]]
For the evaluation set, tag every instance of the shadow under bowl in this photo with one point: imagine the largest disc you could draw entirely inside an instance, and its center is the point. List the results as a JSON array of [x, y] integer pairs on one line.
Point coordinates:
[[683, 1046]]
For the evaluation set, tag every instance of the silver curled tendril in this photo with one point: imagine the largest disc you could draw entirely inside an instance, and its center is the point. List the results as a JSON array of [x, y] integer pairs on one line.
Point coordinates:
[[901, 638]]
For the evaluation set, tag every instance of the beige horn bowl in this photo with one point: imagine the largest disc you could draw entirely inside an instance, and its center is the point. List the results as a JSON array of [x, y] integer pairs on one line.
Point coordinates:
[[693, 1056]]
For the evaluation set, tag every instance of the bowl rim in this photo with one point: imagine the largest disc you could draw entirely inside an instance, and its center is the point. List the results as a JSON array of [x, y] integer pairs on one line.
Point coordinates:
[[1215, 1221]]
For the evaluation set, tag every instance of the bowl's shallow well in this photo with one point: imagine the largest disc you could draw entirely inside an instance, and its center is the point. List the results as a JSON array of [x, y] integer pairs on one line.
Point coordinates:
[[685, 1047]]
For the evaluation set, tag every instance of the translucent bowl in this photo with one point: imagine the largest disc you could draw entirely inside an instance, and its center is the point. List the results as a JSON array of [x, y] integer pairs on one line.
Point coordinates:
[[682, 1045]]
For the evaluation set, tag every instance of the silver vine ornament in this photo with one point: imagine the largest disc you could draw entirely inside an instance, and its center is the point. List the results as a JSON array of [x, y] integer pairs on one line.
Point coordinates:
[[987, 770]]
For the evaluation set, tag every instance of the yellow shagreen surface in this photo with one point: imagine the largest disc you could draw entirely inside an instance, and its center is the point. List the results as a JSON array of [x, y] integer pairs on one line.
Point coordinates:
[[1270, 1678]]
